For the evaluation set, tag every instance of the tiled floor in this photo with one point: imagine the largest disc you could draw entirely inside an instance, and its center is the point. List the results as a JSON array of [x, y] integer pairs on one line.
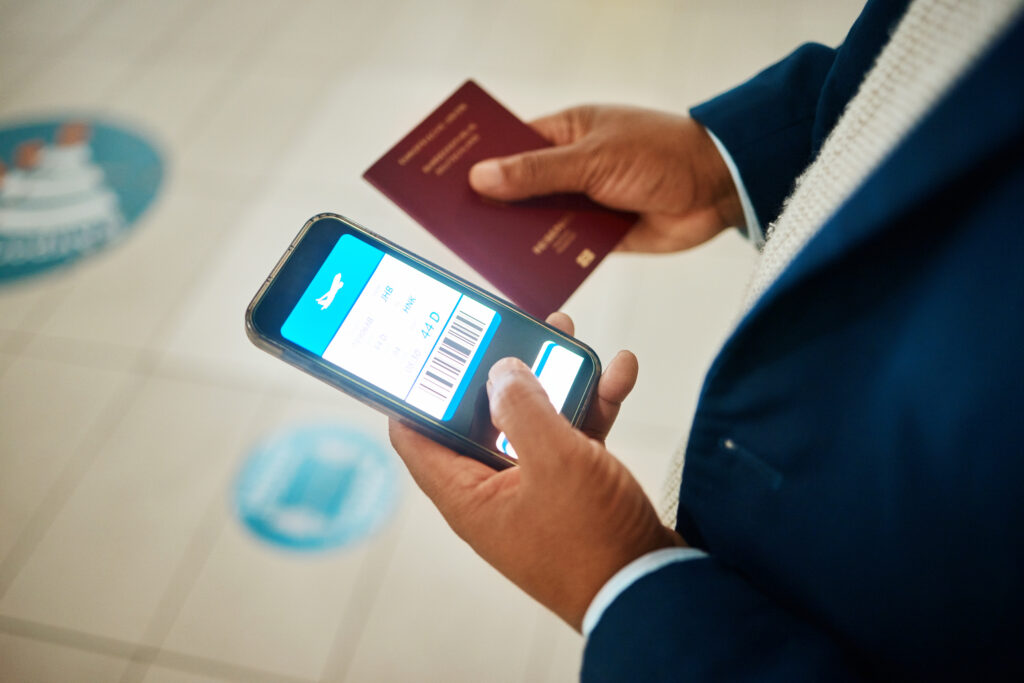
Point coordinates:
[[129, 394]]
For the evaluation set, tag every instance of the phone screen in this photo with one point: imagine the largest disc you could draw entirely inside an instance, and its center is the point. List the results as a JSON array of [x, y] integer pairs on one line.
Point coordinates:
[[420, 339]]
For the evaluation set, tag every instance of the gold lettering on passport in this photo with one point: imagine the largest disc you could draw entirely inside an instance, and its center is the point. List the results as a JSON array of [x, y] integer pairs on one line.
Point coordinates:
[[460, 108], [432, 134], [553, 233], [564, 240], [453, 150], [458, 154]]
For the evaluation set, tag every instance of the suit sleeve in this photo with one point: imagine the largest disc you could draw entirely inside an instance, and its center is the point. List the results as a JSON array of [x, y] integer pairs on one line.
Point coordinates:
[[774, 123], [767, 124], [700, 621]]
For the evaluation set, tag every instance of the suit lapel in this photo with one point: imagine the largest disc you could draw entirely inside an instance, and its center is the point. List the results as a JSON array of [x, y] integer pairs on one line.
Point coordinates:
[[971, 122]]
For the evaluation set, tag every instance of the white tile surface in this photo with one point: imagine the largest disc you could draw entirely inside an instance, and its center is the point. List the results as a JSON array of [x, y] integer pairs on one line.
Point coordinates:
[[159, 674], [165, 675], [56, 17], [27, 659], [111, 551], [566, 647], [25, 304], [289, 629], [66, 84], [434, 588], [172, 95], [303, 597], [20, 51], [131, 31], [48, 407], [208, 327], [135, 286], [249, 130]]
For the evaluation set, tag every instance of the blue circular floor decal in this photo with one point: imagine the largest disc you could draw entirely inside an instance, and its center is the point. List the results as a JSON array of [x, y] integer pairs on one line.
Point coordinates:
[[316, 487], [69, 187]]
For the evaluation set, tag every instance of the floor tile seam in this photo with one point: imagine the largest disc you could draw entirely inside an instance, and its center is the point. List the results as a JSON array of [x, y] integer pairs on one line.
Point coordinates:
[[140, 361], [12, 347], [38, 315], [230, 79], [233, 75], [37, 319], [361, 38], [139, 65], [65, 43], [97, 434], [193, 560], [173, 313], [541, 655], [129, 651], [190, 134], [174, 367], [191, 564], [204, 261], [144, 361], [132, 363], [32, 323], [73, 638], [223, 237], [360, 602], [182, 661], [158, 46], [21, 8]]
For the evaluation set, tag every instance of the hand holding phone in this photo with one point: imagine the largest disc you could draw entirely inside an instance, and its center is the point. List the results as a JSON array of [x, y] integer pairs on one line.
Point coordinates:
[[408, 337], [570, 516]]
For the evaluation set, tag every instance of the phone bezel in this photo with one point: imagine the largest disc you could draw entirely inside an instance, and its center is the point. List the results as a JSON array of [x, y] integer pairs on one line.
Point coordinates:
[[282, 288]]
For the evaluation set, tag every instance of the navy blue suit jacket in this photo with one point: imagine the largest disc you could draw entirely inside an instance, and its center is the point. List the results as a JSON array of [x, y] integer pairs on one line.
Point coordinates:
[[855, 468]]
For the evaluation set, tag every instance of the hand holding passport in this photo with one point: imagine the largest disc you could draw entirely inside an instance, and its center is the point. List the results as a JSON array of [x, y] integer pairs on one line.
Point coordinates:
[[537, 251]]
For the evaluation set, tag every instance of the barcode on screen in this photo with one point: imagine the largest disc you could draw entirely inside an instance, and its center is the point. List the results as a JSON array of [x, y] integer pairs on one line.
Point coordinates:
[[452, 358]]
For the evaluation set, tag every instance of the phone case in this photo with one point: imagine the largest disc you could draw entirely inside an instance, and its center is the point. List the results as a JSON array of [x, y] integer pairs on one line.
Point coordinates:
[[371, 395]]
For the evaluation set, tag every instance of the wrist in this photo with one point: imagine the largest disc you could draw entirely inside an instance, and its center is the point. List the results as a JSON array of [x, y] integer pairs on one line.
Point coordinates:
[[717, 190], [581, 595], [630, 574]]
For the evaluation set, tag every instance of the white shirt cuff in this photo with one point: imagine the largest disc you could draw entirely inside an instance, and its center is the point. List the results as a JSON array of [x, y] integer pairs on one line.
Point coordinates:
[[625, 577], [754, 231]]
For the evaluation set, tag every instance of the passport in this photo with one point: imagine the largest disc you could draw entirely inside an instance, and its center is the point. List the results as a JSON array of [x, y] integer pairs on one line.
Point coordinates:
[[537, 251]]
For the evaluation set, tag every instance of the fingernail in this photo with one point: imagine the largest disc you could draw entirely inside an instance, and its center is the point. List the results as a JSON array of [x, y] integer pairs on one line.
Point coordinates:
[[486, 175], [490, 388], [502, 367], [496, 371]]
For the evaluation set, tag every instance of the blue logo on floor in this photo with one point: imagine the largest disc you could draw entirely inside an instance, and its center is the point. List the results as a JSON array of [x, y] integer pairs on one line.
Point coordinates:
[[317, 487], [67, 188]]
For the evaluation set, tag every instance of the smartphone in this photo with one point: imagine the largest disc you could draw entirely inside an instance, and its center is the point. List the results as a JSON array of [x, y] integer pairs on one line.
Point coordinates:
[[408, 337]]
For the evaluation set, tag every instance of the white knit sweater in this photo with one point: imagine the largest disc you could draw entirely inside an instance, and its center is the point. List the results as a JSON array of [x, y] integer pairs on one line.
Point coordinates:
[[931, 47]]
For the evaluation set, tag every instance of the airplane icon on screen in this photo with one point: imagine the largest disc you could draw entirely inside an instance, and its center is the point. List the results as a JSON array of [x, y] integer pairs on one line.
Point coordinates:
[[328, 298]]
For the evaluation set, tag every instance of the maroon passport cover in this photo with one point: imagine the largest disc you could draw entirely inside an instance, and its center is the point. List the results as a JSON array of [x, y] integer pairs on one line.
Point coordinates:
[[538, 251]]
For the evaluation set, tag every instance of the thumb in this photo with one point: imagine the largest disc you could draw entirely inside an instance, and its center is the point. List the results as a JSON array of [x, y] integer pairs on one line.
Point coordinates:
[[531, 174], [521, 408]]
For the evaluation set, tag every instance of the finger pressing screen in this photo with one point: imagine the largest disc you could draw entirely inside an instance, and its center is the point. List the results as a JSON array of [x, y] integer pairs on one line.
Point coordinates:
[[521, 408]]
